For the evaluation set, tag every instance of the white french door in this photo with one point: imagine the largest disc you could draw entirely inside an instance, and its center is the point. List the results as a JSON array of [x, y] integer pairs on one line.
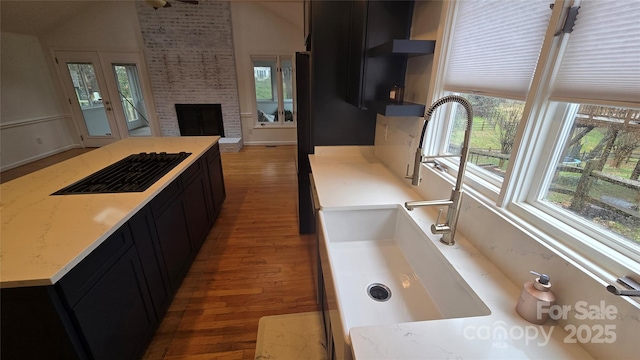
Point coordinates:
[[107, 95], [87, 93]]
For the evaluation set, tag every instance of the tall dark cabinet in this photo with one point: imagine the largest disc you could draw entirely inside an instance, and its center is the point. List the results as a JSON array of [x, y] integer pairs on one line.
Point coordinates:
[[345, 83]]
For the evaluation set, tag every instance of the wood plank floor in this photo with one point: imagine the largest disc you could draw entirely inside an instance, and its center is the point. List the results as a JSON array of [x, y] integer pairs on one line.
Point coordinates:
[[253, 263], [15, 173]]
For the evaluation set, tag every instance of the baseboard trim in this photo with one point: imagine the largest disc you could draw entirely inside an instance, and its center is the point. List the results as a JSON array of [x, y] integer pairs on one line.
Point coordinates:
[[252, 143]]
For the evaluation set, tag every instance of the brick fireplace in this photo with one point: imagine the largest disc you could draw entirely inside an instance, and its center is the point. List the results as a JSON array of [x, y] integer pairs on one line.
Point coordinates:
[[189, 54]]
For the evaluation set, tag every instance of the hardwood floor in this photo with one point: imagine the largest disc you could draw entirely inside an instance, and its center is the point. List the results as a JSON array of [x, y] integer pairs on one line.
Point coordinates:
[[15, 173], [253, 263]]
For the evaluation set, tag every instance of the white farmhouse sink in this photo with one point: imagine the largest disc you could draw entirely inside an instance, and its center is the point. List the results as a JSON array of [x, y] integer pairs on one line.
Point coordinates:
[[364, 246]]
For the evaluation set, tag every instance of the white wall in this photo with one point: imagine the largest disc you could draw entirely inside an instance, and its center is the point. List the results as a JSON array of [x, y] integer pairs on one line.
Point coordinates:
[[268, 28], [426, 15], [105, 26], [32, 122], [513, 248], [33, 100]]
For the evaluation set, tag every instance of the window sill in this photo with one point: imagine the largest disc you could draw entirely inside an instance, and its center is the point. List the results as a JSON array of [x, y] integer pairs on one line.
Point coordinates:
[[473, 182], [551, 232], [602, 260]]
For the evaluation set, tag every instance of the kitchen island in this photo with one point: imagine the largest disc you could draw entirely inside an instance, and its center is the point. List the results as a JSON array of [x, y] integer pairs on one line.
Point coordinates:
[[91, 275]]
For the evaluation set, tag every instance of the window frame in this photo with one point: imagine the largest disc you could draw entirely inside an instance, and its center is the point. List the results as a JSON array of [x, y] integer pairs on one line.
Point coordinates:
[[530, 168], [277, 92]]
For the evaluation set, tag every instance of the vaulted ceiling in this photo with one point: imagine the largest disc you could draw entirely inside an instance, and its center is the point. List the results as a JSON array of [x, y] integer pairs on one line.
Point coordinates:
[[38, 17]]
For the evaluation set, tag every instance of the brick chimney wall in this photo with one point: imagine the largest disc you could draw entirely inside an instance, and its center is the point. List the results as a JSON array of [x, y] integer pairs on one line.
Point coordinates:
[[190, 58]]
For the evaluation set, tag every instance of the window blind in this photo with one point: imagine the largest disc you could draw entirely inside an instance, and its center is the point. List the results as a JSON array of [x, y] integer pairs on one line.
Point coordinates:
[[495, 46], [602, 58]]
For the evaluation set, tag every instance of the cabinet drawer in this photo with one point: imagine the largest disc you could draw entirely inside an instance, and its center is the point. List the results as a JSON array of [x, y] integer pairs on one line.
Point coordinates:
[[164, 199], [82, 277], [192, 172]]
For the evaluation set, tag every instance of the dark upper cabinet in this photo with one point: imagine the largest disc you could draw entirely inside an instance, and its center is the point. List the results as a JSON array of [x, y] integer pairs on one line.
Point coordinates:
[[357, 47], [378, 51], [374, 23]]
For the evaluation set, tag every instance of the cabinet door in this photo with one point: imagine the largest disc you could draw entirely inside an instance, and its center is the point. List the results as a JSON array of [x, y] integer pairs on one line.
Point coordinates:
[[357, 47], [173, 235], [374, 23], [198, 210], [148, 247], [216, 178], [116, 317]]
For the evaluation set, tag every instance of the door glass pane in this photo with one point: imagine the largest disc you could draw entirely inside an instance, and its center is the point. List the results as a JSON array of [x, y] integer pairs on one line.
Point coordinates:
[[88, 92], [287, 86], [266, 90], [597, 177], [130, 94]]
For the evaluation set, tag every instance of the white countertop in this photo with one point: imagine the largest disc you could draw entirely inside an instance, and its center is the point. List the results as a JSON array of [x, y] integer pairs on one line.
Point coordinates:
[[352, 177], [43, 236]]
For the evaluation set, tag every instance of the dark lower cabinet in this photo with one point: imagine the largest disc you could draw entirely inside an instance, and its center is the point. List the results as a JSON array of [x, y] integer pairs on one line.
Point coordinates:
[[116, 317], [144, 232], [198, 210], [216, 179], [173, 236], [109, 305], [36, 325]]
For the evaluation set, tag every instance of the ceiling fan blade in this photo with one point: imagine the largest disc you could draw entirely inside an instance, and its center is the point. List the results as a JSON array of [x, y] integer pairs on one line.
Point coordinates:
[[156, 4]]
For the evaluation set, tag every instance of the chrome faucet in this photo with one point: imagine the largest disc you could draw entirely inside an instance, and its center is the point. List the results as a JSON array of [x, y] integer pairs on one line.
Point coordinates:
[[448, 228]]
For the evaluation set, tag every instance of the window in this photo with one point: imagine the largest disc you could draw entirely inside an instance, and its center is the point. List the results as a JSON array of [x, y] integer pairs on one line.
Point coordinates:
[[556, 117], [596, 176], [492, 58], [493, 133], [85, 84], [273, 80], [130, 92]]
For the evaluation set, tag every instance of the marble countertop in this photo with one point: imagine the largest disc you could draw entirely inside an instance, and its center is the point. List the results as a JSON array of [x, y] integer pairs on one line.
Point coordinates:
[[352, 177], [43, 236]]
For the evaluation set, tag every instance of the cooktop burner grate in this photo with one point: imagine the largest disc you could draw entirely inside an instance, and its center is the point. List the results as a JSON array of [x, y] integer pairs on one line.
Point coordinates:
[[135, 173]]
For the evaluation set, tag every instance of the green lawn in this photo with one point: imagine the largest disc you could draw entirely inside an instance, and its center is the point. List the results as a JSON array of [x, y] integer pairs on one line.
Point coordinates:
[[263, 89], [487, 137]]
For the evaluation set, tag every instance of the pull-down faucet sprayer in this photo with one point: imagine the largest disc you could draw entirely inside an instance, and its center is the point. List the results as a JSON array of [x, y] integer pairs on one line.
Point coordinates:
[[447, 229]]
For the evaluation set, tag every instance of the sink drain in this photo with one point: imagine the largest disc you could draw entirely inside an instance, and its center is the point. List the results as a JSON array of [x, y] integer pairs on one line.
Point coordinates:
[[379, 292]]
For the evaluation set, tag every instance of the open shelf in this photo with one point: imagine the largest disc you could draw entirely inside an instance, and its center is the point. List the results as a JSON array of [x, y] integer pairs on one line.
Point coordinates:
[[404, 109], [404, 47]]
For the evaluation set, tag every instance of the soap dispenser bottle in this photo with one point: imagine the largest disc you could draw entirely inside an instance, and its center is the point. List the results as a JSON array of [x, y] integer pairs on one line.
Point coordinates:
[[534, 292]]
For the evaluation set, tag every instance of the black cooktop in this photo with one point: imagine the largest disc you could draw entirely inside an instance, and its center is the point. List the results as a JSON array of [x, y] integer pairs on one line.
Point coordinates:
[[135, 173]]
